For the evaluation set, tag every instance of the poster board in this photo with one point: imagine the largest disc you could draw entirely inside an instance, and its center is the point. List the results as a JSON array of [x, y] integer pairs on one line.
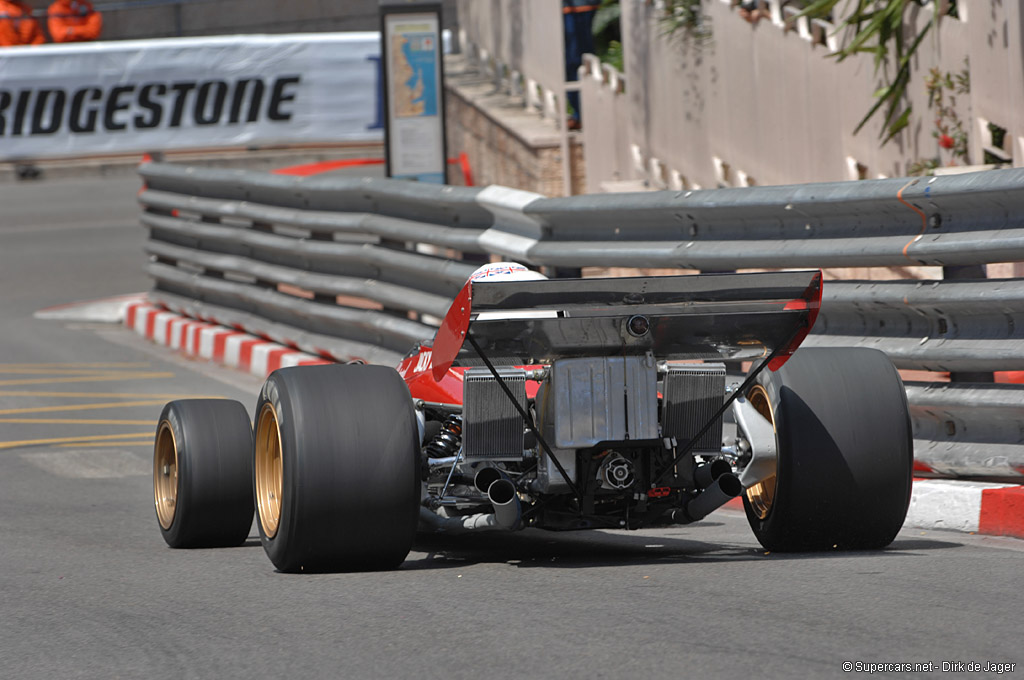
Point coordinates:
[[413, 84]]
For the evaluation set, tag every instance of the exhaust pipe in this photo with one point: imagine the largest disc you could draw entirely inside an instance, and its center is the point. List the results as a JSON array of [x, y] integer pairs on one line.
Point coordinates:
[[486, 476], [705, 474], [507, 510], [721, 491], [462, 524]]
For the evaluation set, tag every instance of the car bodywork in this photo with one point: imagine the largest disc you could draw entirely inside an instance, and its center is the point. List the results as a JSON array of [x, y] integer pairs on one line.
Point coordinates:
[[589, 403]]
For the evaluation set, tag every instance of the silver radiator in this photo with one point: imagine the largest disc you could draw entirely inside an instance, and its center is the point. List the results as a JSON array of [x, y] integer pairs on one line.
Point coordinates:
[[692, 395], [492, 428]]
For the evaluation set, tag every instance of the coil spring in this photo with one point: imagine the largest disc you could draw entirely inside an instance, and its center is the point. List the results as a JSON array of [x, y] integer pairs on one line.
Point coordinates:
[[448, 441]]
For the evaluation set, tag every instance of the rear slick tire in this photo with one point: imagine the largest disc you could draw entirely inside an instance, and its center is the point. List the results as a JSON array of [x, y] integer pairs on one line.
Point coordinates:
[[336, 474], [845, 452], [202, 473]]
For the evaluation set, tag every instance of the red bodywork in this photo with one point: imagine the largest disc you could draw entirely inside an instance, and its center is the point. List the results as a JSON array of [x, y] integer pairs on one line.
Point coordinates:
[[418, 372]]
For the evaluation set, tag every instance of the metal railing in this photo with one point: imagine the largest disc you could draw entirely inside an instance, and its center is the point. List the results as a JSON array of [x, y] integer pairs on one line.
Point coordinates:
[[364, 267]]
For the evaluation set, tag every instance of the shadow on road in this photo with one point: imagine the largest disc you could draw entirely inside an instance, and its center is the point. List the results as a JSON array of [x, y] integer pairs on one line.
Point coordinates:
[[535, 548]]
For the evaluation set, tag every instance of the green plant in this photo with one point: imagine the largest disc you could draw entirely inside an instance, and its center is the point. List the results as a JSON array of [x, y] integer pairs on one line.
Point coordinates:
[[943, 89], [877, 29], [923, 167], [685, 18], [607, 33]]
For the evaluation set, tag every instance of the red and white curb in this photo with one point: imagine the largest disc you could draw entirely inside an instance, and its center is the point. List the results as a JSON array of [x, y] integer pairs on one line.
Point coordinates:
[[971, 507], [213, 342], [975, 507]]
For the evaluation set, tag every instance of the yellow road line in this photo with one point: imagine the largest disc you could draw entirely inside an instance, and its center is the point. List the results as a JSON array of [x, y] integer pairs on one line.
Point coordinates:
[[74, 421], [80, 365], [61, 440], [96, 445], [63, 371], [105, 378], [105, 395], [79, 407]]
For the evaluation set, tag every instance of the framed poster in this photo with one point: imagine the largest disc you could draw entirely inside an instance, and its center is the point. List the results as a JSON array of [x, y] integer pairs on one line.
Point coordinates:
[[414, 130]]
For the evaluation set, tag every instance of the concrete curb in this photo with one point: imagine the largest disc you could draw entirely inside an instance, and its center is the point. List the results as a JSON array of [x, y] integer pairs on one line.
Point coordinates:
[[214, 342], [971, 507], [974, 507]]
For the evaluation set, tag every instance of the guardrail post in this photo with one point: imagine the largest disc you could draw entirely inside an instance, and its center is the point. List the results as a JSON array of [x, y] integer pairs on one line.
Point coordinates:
[[972, 271]]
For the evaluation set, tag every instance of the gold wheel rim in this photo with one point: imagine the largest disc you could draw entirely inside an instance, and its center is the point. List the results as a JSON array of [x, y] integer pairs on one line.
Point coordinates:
[[761, 496], [165, 475], [269, 470]]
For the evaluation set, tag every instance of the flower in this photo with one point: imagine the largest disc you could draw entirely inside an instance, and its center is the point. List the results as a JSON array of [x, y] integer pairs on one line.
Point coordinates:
[[945, 141]]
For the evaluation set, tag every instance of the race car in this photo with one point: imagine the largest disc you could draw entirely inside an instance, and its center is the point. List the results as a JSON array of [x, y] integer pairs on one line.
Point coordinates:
[[568, 404]]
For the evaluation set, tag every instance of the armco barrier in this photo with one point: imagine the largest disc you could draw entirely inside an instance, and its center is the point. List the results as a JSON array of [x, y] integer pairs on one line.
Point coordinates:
[[364, 267]]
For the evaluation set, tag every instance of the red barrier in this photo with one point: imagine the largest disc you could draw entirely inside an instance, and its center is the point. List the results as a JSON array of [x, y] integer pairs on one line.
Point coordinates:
[[326, 166], [309, 169]]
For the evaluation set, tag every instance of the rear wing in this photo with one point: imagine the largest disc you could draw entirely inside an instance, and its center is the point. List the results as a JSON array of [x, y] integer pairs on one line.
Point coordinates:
[[732, 317]]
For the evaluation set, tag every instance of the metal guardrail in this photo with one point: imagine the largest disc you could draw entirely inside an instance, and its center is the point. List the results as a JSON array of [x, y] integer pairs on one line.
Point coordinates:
[[366, 266]]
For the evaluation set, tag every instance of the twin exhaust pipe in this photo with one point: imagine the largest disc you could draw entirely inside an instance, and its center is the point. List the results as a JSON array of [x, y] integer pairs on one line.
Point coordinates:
[[501, 492], [719, 486], [716, 478]]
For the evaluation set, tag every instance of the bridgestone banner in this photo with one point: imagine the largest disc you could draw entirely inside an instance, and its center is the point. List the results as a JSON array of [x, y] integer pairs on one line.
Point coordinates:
[[151, 95]]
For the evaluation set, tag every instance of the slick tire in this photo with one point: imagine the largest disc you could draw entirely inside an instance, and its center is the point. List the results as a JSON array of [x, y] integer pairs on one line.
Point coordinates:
[[202, 473], [336, 472], [845, 452]]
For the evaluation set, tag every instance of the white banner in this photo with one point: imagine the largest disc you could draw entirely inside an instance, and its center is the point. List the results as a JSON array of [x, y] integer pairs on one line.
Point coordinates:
[[151, 95]]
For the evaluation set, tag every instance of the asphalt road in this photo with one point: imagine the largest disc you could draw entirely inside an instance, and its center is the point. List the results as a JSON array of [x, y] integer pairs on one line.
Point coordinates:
[[89, 589]]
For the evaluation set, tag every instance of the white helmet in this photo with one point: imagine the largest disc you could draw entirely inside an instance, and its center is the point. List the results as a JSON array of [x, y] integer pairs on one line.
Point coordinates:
[[505, 271]]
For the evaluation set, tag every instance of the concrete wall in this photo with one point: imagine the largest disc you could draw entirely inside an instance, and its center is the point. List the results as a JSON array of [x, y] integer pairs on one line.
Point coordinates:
[[765, 104], [507, 143], [522, 42], [217, 17]]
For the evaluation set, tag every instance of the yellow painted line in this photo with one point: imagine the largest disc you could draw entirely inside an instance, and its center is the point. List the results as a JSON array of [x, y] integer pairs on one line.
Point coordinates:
[[106, 395], [74, 421], [80, 365], [106, 378], [80, 407], [61, 440], [62, 371], [96, 445]]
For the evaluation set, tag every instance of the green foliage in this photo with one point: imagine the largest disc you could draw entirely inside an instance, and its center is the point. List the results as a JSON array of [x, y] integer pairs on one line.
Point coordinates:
[[614, 55], [877, 29], [943, 89], [685, 18], [607, 33], [923, 167]]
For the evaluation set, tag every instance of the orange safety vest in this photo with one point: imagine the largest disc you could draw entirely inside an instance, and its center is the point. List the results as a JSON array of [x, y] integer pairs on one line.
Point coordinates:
[[17, 26], [73, 21]]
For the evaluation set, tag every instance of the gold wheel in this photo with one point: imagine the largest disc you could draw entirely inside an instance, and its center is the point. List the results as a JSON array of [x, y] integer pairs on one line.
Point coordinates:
[[762, 495], [269, 470], [165, 475]]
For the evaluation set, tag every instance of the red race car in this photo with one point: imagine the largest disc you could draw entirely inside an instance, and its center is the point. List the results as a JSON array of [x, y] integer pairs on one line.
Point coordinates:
[[556, 404]]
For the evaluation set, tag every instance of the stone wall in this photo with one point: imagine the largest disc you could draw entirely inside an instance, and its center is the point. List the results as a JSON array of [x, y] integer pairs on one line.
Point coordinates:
[[507, 143]]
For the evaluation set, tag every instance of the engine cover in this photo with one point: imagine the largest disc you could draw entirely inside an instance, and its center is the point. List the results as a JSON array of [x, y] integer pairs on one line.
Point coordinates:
[[602, 399]]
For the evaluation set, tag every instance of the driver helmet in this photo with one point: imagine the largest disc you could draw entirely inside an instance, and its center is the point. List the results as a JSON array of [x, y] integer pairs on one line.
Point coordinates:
[[505, 271]]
